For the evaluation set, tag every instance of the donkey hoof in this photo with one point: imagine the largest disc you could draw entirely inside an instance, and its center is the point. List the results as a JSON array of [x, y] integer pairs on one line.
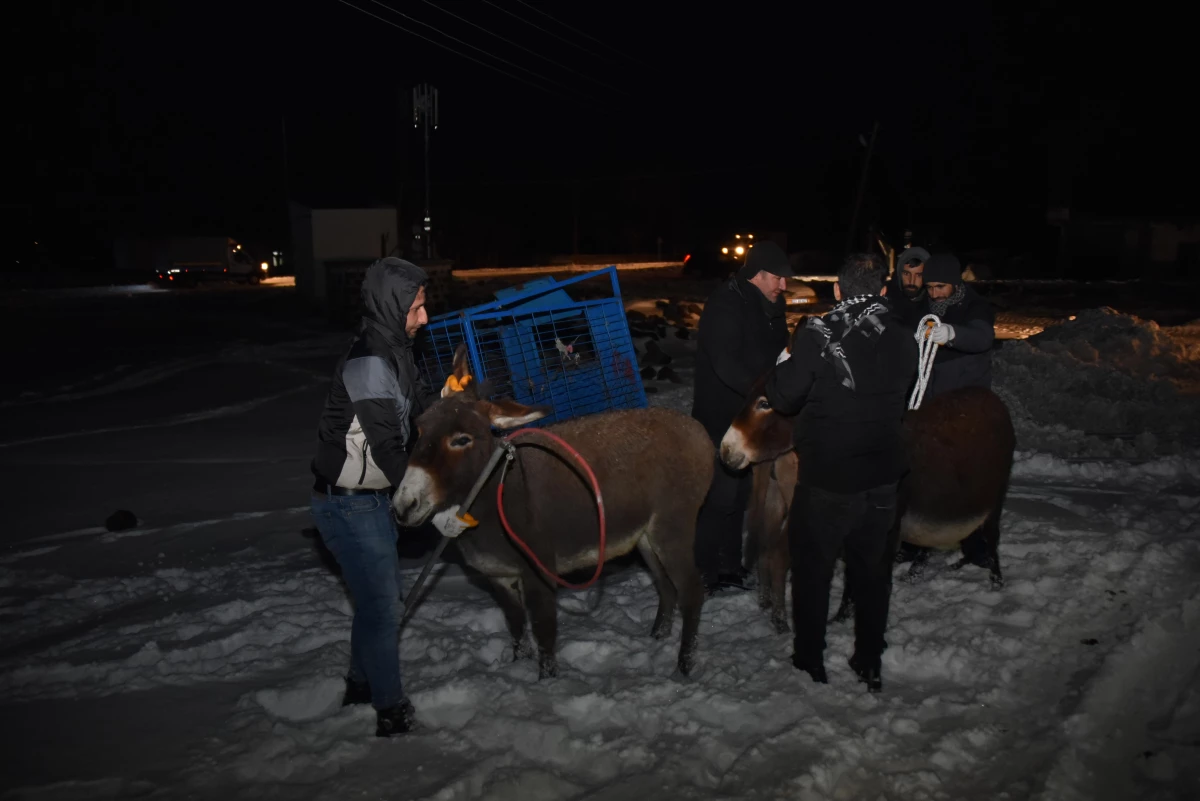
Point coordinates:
[[687, 663], [997, 581], [780, 623], [660, 632], [547, 667], [522, 650]]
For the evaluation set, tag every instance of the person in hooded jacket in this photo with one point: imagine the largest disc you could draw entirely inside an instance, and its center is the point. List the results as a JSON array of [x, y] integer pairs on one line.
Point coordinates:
[[365, 435], [907, 289], [742, 331], [848, 379]]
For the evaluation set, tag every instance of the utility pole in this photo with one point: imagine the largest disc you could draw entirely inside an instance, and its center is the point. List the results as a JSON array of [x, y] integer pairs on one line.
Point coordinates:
[[287, 185], [425, 113], [862, 187], [574, 218], [402, 233]]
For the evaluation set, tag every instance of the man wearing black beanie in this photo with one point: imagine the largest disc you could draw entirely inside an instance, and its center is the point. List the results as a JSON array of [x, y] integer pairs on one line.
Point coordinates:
[[743, 329], [967, 328]]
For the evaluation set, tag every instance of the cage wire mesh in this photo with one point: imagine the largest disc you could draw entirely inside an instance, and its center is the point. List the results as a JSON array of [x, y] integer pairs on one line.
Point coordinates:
[[538, 346]]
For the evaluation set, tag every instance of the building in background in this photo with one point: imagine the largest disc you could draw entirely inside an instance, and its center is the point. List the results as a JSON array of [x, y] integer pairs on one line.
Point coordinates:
[[332, 248]]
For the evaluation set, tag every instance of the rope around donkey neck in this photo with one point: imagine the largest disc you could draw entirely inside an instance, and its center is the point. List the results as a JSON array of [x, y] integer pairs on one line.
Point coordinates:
[[926, 353]]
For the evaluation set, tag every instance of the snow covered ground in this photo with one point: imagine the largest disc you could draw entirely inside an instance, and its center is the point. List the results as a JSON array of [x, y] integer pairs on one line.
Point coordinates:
[[1080, 679], [200, 654]]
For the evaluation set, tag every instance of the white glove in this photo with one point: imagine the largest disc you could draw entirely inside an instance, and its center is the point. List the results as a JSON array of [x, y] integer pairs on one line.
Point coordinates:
[[447, 522], [942, 334], [784, 355]]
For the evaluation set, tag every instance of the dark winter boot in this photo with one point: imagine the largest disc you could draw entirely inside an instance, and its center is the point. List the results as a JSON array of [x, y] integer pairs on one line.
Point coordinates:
[[868, 672], [357, 692], [814, 669], [738, 579], [397, 719]]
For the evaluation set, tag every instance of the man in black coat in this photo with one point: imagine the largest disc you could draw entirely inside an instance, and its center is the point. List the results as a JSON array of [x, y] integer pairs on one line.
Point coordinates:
[[848, 378], [967, 328], [743, 329]]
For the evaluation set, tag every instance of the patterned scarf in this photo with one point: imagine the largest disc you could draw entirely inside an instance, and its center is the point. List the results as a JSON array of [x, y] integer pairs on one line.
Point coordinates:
[[859, 314], [939, 307]]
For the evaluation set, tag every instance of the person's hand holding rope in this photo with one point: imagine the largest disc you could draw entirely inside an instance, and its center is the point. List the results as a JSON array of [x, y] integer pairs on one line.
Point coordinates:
[[931, 333]]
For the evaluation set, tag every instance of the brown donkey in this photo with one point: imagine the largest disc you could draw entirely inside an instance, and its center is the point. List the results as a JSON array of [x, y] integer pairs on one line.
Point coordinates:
[[960, 447], [653, 466]]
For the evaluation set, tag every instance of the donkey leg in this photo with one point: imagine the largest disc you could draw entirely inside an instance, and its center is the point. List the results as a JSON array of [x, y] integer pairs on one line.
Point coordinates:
[[674, 550], [786, 472], [667, 596], [512, 601], [543, 614], [982, 547], [757, 543], [916, 569], [779, 560]]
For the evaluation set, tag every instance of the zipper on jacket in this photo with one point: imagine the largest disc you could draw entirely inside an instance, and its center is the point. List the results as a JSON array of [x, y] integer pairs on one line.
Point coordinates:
[[366, 454]]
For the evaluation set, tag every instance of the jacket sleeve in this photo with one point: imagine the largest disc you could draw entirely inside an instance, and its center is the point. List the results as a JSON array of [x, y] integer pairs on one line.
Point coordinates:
[[789, 383], [427, 395], [382, 408], [974, 336], [721, 338]]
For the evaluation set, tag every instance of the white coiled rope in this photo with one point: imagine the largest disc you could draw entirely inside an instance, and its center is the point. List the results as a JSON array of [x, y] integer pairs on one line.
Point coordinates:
[[927, 352]]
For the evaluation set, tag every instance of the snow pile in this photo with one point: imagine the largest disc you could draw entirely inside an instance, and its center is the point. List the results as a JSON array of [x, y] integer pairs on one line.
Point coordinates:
[[1018, 693], [1104, 385], [1166, 471]]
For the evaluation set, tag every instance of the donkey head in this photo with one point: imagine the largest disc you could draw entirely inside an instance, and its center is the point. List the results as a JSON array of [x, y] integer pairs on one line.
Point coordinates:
[[454, 442], [758, 433]]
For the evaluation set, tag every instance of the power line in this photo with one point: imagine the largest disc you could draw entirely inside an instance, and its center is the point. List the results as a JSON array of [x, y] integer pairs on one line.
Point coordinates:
[[468, 44], [522, 47], [581, 33], [452, 50], [543, 30]]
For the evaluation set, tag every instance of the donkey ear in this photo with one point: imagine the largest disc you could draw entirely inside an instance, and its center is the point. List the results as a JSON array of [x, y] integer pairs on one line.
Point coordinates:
[[505, 414], [462, 365], [460, 378]]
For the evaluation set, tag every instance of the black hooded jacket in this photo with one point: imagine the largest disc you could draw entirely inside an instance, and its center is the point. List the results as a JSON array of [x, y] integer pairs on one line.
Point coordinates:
[[366, 431], [741, 334], [848, 437]]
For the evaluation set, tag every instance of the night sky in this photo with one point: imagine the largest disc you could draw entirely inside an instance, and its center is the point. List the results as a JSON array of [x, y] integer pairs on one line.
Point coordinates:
[[687, 122]]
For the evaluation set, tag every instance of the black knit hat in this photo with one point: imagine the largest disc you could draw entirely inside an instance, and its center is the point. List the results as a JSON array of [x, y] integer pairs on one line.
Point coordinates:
[[767, 256], [942, 268]]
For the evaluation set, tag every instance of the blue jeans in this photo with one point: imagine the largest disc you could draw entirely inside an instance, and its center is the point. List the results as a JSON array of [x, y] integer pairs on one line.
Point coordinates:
[[360, 533]]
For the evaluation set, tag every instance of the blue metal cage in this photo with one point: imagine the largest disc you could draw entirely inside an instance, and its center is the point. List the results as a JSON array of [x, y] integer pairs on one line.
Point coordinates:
[[540, 347]]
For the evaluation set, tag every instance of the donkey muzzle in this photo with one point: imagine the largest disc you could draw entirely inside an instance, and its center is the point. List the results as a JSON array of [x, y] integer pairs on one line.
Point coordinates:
[[416, 497], [733, 450]]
